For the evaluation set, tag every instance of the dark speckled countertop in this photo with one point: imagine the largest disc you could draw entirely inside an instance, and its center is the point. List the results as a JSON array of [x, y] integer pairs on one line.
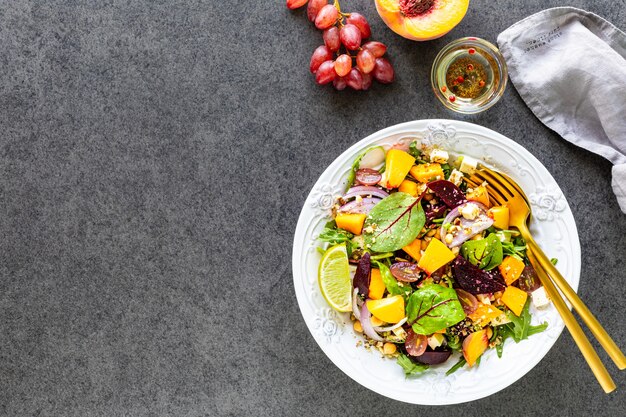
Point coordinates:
[[154, 157]]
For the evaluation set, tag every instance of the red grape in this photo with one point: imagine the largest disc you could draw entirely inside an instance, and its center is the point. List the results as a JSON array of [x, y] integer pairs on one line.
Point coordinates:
[[355, 79], [467, 300], [339, 83], [415, 344], [326, 17], [405, 271], [368, 176], [343, 65], [377, 49], [294, 4], [321, 54], [365, 61], [350, 36], [383, 71], [314, 8], [360, 21], [326, 72], [367, 81], [331, 38]]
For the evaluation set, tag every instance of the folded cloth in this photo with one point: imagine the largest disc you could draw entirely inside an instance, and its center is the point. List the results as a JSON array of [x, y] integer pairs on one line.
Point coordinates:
[[569, 66]]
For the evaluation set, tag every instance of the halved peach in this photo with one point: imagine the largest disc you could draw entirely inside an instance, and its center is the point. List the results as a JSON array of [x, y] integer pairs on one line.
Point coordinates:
[[422, 20]]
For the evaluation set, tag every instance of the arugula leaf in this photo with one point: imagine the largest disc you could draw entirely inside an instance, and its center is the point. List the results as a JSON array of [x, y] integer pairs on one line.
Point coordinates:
[[390, 282], [410, 367], [335, 236], [484, 253], [519, 328], [394, 222], [433, 307], [456, 366], [414, 151]]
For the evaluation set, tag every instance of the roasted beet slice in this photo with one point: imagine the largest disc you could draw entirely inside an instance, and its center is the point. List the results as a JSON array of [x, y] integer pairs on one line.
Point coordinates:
[[363, 275], [433, 212], [474, 280], [433, 357], [448, 192]]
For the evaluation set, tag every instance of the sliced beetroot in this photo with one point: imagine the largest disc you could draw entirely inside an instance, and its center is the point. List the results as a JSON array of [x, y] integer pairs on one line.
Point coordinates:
[[448, 192], [406, 271], [528, 280], [433, 212], [474, 280], [433, 357], [415, 344], [363, 275]]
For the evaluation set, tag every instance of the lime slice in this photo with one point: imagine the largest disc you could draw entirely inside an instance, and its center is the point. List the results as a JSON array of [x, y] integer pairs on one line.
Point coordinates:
[[334, 278]]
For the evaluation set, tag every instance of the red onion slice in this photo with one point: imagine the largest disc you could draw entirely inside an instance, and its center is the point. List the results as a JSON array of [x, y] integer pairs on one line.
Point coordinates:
[[363, 206], [355, 304], [366, 324], [472, 227], [390, 328], [365, 191]]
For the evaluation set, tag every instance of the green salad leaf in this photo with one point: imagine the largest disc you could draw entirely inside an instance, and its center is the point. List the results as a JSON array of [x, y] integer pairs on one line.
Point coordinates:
[[410, 367], [484, 253], [519, 328], [333, 235], [394, 223], [456, 366], [390, 282], [433, 307]]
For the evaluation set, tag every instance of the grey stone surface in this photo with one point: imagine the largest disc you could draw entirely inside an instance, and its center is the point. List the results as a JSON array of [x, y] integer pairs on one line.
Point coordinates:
[[154, 157]]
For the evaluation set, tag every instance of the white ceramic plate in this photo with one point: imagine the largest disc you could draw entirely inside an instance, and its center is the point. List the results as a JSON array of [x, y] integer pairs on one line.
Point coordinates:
[[553, 227]]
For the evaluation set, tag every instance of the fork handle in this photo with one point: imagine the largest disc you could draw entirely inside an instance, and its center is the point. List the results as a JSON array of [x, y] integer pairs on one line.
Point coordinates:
[[587, 316], [590, 355]]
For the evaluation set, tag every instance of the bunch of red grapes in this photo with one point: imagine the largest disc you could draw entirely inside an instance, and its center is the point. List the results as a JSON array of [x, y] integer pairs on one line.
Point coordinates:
[[329, 63]]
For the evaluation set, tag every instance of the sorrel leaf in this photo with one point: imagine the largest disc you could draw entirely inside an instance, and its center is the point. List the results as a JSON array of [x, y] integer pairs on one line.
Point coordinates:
[[484, 253], [394, 223], [433, 307]]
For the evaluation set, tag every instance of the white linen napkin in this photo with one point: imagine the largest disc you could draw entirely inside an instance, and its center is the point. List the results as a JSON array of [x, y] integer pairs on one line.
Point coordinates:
[[569, 66]]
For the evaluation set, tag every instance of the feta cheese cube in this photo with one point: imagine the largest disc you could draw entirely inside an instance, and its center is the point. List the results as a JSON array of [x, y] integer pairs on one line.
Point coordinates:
[[456, 177], [540, 298], [435, 340], [468, 165], [439, 155], [470, 211]]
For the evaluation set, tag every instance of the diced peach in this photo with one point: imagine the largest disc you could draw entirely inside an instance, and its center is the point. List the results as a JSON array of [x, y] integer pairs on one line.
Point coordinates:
[[414, 249], [514, 298], [389, 309], [427, 172], [500, 216], [408, 187], [352, 222], [397, 166], [480, 195], [377, 286], [511, 268], [437, 254], [475, 345], [484, 314]]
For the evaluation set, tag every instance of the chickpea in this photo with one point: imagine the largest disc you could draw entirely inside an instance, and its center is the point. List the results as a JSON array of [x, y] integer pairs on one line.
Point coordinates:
[[389, 348], [357, 327]]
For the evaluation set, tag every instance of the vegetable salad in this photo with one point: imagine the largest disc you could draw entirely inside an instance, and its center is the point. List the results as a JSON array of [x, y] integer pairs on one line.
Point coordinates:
[[434, 267]]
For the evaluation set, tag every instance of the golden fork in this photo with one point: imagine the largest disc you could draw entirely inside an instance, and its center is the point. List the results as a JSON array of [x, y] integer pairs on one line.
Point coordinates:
[[504, 191]]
